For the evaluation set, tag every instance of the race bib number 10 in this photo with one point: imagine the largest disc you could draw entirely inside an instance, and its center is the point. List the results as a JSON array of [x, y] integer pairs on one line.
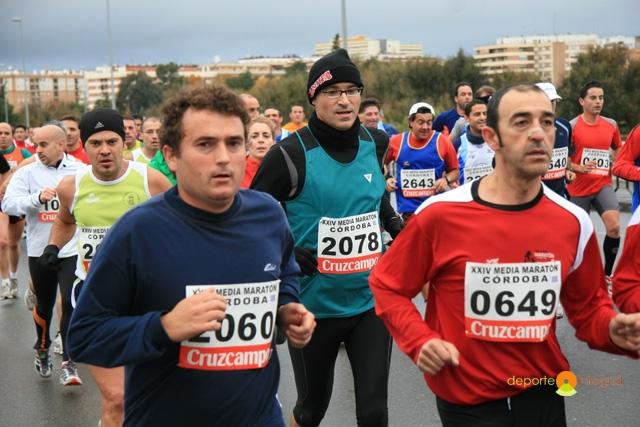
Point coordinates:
[[89, 240], [48, 211], [511, 302], [349, 245], [244, 339], [417, 182]]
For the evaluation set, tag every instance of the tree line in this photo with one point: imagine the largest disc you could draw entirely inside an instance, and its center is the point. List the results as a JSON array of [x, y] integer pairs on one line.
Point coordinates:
[[396, 84]]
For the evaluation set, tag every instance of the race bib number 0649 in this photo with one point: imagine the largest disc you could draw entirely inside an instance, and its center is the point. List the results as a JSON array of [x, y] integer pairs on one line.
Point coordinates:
[[349, 245], [244, 339], [513, 302]]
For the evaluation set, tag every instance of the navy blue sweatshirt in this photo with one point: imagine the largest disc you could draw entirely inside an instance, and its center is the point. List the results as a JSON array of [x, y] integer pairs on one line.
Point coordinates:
[[140, 272]]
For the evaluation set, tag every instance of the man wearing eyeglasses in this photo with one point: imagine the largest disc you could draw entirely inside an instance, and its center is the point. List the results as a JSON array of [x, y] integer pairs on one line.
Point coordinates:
[[329, 179], [150, 141]]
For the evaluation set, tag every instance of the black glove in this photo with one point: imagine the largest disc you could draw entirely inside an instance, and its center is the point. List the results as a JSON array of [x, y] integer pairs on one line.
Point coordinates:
[[49, 258], [306, 260], [394, 226]]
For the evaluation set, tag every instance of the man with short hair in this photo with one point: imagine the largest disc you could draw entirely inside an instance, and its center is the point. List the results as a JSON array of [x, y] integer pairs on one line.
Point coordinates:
[[194, 326], [596, 140], [462, 95], [251, 104], [328, 177], [10, 253], [369, 113], [31, 192], [92, 201], [474, 155], [425, 161], [483, 93], [296, 117], [74, 145], [150, 140], [21, 139], [274, 115], [138, 119], [490, 319], [130, 136]]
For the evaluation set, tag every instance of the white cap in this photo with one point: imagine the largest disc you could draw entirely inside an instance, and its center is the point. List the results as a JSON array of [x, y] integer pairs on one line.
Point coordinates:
[[414, 108], [549, 89]]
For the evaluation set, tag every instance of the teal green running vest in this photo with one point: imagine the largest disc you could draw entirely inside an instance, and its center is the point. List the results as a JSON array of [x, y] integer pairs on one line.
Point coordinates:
[[341, 201]]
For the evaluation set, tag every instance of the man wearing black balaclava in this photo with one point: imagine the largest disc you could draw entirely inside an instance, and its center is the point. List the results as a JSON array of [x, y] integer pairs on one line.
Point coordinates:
[[329, 180]]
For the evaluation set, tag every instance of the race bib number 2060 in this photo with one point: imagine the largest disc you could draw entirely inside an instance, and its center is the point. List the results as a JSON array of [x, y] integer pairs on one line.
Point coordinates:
[[513, 302], [244, 339]]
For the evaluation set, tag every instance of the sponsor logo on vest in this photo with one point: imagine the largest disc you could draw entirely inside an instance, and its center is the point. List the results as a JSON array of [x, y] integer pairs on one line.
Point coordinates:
[[368, 176], [98, 125]]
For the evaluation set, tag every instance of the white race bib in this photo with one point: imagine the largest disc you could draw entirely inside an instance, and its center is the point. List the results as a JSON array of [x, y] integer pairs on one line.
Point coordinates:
[[601, 157], [89, 238], [513, 302], [349, 245], [477, 172], [558, 164], [417, 182], [48, 211], [244, 340]]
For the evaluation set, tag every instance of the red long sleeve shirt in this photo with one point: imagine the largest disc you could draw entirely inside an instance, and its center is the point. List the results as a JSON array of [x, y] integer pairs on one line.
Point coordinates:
[[626, 280], [625, 165], [494, 273]]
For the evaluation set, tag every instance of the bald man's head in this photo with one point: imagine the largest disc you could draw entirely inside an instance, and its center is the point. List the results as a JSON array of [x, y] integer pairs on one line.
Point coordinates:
[[6, 136], [251, 104], [50, 143]]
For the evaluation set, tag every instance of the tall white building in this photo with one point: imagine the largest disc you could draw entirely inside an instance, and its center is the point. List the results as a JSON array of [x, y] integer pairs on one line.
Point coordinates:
[[363, 47]]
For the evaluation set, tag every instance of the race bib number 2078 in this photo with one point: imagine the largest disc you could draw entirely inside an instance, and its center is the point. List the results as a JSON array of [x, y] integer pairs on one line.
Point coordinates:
[[244, 339], [513, 302], [349, 245]]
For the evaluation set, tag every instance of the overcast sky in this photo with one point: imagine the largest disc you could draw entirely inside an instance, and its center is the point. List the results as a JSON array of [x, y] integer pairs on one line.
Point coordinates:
[[63, 34]]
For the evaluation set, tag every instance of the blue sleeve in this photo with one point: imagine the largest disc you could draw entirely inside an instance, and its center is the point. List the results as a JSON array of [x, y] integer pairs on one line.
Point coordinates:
[[439, 122], [25, 153], [101, 331]]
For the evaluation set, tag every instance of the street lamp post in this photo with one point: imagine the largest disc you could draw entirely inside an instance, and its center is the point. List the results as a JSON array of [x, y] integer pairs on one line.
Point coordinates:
[[344, 25], [6, 104], [113, 88], [24, 72]]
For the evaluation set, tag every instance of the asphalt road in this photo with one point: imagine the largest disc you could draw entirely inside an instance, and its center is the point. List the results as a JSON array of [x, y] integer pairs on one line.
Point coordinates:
[[26, 400]]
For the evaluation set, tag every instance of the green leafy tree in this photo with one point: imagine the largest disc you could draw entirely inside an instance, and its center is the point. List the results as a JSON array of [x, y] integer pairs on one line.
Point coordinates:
[[242, 83], [169, 77], [138, 93], [7, 109]]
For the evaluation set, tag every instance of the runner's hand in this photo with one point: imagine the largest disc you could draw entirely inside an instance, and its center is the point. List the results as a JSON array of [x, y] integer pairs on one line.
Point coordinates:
[[435, 354], [624, 330], [47, 194], [49, 256], [194, 315], [306, 260], [569, 176], [297, 323], [441, 185]]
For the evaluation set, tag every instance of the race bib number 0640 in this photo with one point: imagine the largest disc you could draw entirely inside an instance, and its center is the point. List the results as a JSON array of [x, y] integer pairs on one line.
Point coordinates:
[[513, 302], [244, 339], [349, 245]]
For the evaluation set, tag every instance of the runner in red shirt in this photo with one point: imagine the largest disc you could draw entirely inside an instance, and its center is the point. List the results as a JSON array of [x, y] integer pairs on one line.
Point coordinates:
[[626, 279], [260, 138], [74, 145], [489, 322], [627, 164], [596, 140]]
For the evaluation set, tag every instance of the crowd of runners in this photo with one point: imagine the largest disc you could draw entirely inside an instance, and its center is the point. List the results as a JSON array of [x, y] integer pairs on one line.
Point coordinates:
[[179, 250]]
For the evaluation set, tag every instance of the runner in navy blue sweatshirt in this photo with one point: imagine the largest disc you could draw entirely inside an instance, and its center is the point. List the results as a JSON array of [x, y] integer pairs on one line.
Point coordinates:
[[187, 289]]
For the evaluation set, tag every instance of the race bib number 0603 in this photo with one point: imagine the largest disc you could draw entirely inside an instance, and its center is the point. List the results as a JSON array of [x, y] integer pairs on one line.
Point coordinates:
[[601, 158], [349, 245], [244, 339], [513, 302]]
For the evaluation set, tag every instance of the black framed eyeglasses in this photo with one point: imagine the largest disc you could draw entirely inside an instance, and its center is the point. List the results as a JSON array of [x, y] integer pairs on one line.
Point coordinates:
[[352, 92]]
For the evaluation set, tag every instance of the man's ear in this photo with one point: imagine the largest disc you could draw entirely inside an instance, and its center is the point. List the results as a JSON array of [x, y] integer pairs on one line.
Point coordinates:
[[170, 157], [490, 136]]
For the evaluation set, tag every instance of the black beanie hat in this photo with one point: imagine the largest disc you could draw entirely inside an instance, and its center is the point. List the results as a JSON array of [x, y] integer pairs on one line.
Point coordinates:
[[101, 119], [334, 67]]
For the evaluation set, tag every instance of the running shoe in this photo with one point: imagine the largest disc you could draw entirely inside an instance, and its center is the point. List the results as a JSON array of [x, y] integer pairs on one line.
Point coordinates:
[[43, 364], [5, 291], [30, 299], [13, 288], [69, 374], [57, 344]]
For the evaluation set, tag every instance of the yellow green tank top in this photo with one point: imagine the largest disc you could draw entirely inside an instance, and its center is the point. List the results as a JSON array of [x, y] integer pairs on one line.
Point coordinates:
[[98, 204], [138, 156]]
